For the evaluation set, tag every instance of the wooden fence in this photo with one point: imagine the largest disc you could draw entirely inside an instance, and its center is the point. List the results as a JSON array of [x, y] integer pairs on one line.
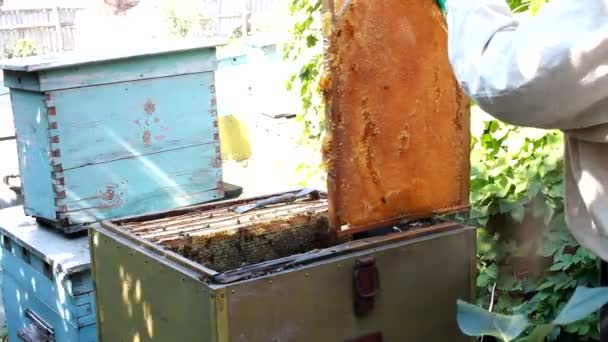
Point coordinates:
[[41, 25]]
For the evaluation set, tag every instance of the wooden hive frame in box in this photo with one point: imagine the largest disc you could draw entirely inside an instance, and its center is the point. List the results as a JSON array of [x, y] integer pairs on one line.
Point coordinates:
[[398, 141]]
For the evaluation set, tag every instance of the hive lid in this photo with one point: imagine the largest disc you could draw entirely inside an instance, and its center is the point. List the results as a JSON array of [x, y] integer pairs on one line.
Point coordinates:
[[69, 255], [70, 59], [398, 143]]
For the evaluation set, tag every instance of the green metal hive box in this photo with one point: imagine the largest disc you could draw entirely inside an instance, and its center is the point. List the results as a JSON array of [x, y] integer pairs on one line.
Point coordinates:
[[117, 135], [207, 274]]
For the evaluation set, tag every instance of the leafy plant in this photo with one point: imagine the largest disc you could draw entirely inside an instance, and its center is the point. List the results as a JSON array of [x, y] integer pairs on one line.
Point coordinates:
[[23, 48], [474, 321], [517, 172], [306, 49]]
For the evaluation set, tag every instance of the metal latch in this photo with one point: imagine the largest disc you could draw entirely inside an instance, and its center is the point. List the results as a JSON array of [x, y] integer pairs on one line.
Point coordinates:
[[37, 331], [366, 285]]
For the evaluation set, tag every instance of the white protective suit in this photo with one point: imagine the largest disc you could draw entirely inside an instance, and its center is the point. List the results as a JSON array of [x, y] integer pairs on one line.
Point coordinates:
[[548, 71]]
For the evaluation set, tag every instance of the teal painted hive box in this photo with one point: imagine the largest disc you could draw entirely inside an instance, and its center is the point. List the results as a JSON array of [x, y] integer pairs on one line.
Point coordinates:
[[47, 286], [116, 136]]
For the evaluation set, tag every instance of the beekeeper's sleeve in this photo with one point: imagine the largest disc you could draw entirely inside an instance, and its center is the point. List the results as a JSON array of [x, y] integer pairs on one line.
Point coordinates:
[[546, 71]]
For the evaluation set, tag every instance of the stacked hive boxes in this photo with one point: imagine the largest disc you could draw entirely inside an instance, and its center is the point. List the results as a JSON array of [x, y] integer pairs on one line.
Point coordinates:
[[99, 138]]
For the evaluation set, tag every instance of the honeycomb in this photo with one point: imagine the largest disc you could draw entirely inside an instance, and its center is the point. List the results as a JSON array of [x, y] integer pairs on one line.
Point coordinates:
[[398, 140]]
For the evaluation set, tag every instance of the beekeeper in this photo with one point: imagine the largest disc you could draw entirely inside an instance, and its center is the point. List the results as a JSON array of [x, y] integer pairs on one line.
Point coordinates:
[[547, 71]]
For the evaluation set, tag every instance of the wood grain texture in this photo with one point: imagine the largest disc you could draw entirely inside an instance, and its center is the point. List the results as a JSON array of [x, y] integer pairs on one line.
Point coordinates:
[[122, 70], [31, 126], [134, 118], [399, 125], [131, 69], [75, 113], [143, 185]]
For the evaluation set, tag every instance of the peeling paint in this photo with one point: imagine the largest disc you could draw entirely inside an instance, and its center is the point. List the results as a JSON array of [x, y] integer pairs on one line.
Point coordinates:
[[146, 137], [149, 107]]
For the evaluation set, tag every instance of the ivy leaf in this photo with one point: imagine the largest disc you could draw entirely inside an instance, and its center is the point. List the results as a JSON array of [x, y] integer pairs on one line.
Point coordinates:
[[564, 262], [487, 276], [560, 280], [475, 321], [311, 41], [545, 285]]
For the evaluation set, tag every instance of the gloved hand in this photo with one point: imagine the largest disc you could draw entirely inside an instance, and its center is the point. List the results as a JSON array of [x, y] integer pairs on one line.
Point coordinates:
[[441, 4]]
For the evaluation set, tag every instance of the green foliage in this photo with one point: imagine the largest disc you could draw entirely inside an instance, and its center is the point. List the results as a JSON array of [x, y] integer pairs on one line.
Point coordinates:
[[526, 5], [518, 172], [306, 49], [511, 167], [474, 321], [23, 48]]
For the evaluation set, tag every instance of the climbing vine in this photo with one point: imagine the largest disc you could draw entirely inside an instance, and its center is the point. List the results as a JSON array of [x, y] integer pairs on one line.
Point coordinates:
[[306, 49], [516, 181]]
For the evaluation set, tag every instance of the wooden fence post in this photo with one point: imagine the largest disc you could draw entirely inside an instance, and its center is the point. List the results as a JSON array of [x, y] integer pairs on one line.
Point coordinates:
[[58, 28], [244, 19]]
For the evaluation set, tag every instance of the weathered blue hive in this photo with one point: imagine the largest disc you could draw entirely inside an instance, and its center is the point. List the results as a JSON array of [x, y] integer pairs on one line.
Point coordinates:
[[47, 286], [115, 136]]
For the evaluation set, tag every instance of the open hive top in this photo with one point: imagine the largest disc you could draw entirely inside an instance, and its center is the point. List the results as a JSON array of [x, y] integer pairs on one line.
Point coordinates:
[[398, 143], [239, 246], [220, 239]]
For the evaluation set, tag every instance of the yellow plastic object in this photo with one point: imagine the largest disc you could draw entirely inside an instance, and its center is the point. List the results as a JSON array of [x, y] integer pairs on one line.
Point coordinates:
[[234, 138]]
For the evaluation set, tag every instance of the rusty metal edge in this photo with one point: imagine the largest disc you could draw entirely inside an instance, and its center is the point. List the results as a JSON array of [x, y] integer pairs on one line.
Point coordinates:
[[350, 230]]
